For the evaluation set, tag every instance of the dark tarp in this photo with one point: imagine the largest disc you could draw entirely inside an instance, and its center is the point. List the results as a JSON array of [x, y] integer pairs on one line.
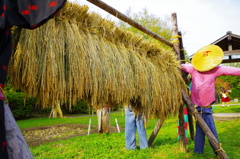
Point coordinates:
[[26, 14]]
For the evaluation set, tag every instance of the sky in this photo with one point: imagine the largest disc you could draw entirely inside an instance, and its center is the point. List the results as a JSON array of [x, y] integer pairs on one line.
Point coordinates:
[[201, 22]]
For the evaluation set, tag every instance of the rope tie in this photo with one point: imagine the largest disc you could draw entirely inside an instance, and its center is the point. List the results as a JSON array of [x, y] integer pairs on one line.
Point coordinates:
[[175, 41], [195, 112], [220, 149], [177, 36]]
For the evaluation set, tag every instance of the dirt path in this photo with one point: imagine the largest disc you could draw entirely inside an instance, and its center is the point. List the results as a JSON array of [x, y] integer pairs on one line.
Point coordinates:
[[40, 135]]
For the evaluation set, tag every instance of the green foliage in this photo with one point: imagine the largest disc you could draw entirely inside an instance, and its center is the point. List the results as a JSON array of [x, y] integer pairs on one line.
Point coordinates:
[[80, 107], [42, 111], [234, 81], [151, 22], [235, 92], [21, 107]]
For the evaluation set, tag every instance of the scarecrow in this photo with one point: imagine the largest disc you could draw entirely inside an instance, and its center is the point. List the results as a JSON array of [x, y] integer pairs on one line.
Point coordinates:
[[28, 14], [134, 121], [204, 71]]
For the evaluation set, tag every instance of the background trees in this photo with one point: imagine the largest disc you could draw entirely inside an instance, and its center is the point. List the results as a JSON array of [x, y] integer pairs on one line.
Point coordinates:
[[160, 26], [230, 82]]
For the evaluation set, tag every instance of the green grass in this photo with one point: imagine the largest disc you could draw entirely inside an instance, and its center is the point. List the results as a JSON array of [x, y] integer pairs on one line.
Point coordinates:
[[112, 146], [233, 108]]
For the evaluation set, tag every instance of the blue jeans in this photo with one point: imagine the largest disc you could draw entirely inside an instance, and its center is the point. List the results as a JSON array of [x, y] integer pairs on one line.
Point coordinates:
[[200, 135], [133, 123]]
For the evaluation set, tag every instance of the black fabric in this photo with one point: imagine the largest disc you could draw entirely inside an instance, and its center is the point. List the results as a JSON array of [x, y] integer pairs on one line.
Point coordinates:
[[5, 53], [3, 151], [27, 13]]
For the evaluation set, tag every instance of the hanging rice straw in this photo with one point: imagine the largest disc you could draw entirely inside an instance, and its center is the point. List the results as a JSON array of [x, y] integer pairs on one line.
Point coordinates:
[[79, 55]]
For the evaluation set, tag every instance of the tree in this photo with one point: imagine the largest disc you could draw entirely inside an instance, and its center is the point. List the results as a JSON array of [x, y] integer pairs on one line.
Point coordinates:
[[151, 22], [156, 24], [234, 81]]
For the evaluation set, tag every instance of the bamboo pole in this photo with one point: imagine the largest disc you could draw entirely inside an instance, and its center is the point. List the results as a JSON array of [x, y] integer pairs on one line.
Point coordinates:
[[217, 147], [176, 46], [128, 20]]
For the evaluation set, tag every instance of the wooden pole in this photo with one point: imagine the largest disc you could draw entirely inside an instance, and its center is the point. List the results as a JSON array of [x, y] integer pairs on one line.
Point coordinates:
[[204, 126], [155, 132], [182, 140], [182, 57], [117, 125], [89, 125], [176, 46], [191, 126], [128, 20], [184, 75], [176, 41], [50, 113]]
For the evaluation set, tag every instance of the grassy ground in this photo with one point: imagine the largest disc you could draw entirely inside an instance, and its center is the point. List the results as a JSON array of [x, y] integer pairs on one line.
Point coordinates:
[[108, 146], [233, 108]]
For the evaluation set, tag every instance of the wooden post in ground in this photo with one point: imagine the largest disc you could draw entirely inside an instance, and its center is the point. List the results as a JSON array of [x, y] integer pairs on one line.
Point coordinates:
[[182, 56], [217, 147], [175, 41], [155, 132], [184, 75], [176, 46], [190, 123]]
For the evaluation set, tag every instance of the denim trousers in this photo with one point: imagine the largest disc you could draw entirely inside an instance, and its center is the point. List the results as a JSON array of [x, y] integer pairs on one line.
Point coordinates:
[[200, 135], [134, 123]]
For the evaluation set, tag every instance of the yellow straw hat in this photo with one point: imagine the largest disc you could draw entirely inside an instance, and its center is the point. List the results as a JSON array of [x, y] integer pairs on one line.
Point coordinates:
[[207, 58]]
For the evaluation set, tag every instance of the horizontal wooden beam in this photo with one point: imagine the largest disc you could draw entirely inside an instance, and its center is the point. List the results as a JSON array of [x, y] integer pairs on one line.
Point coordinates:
[[233, 52], [231, 60]]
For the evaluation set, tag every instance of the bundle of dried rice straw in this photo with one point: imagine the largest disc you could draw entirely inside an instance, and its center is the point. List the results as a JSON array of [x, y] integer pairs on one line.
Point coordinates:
[[79, 55]]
